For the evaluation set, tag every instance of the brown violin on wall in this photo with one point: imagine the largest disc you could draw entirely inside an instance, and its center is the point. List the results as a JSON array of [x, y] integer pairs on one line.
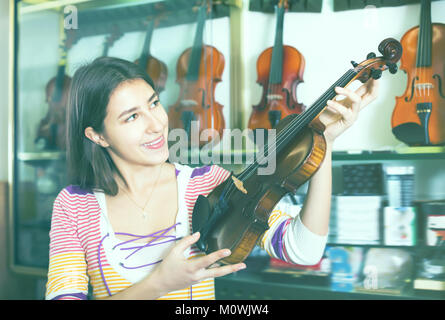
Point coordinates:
[[235, 214], [51, 132], [155, 68], [198, 71], [280, 69], [419, 115]]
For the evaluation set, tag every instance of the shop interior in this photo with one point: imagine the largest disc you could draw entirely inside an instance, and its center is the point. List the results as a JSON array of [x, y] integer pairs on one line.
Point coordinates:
[[387, 222]]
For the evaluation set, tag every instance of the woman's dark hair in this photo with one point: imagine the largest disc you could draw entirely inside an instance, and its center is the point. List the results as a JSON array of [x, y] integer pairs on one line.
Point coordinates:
[[89, 164]]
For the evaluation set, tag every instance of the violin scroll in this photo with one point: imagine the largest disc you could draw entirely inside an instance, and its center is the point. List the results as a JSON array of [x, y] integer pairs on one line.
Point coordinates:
[[391, 50], [373, 66]]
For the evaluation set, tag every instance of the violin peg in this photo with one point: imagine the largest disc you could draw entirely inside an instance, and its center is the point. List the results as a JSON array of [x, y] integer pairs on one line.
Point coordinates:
[[392, 67], [354, 64], [371, 55], [376, 73]]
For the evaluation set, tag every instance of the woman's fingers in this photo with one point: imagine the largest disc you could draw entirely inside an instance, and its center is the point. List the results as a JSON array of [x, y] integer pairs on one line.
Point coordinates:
[[207, 260], [337, 107], [224, 270], [207, 266], [186, 242]]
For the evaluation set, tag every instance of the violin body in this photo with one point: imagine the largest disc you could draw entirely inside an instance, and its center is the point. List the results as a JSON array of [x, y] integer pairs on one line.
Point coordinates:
[[155, 68], [158, 72], [249, 213], [198, 71], [196, 100], [280, 69], [236, 214], [282, 97], [419, 114], [52, 128]]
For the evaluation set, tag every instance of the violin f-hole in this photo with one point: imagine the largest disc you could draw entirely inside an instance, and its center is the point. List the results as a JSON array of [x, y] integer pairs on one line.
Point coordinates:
[[412, 90], [439, 80]]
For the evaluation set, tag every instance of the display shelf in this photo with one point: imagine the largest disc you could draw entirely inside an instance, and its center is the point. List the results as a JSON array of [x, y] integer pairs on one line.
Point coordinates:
[[41, 156], [412, 247], [245, 285], [245, 154], [31, 7], [365, 155], [386, 155]]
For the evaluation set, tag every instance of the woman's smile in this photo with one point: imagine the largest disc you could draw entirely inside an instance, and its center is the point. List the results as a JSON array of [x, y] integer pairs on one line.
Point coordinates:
[[155, 144]]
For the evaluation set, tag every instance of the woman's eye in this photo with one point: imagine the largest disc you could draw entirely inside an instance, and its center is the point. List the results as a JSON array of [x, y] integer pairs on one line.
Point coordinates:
[[132, 117], [154, 104]]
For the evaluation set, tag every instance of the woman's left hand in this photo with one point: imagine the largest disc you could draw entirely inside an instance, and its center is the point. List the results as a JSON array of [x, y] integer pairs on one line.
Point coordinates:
[[340, 115]]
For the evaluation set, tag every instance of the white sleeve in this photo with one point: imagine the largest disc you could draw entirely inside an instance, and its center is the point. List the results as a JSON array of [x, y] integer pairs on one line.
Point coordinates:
[[290, 240]]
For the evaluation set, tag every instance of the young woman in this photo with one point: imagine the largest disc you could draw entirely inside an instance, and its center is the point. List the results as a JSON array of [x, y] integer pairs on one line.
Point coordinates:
[[124, 224]]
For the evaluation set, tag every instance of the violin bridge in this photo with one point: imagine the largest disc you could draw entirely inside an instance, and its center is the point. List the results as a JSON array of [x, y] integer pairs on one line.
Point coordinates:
[[239, 185]]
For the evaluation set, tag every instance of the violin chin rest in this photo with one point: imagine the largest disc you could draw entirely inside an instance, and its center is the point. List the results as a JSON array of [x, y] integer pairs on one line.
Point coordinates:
[[201, 213], [410, 133]]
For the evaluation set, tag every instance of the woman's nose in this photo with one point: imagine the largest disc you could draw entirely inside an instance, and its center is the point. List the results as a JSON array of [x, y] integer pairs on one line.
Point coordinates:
[[154, 123]]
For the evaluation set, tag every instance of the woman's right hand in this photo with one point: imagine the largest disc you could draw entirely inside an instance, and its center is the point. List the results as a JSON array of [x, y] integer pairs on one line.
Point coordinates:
[[177, 272]]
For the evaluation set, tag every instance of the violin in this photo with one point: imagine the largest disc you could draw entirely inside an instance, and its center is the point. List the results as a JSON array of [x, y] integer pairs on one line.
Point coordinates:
[[110, 40], [199, 70], [52, 128], [235, 214], [280, 70], [418, 117], [155, 68]]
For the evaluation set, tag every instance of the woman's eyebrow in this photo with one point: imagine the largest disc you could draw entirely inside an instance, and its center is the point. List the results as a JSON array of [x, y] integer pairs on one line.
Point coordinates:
[[154, 95]]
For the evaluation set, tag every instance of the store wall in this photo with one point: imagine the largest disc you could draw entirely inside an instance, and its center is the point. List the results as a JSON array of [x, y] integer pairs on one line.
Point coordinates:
[[329, 41]]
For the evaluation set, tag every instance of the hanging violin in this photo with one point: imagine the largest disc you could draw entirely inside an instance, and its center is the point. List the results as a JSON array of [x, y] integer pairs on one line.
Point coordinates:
[[198, 71], [419, 115], [280, 69], [110, 40], [52, 128], [155, 68], [236, 213]]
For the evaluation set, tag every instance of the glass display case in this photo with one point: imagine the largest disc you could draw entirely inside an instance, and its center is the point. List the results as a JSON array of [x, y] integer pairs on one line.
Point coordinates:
[[54, 38]]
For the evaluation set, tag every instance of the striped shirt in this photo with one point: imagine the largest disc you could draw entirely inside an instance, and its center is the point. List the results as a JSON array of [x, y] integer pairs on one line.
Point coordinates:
[[84, 248]]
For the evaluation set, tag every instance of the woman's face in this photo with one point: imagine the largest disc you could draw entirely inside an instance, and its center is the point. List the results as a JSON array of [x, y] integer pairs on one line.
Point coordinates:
[[136, 125]]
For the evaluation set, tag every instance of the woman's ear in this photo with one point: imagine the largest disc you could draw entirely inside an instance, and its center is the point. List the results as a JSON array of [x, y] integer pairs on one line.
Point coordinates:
[[95, 137]]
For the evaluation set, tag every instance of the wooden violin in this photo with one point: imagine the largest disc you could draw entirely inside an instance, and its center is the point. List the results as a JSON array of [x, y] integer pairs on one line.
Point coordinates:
[[155, 68], [110, 40], [418, 117], [236, 213], [198, 71], [280, 70], [52, 128]]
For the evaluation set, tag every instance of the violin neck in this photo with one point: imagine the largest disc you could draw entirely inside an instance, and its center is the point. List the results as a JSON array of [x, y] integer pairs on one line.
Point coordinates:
[[147, 44], [293, 128], [58, 85], [195, 55], [106, 48], [304, 119], [276, 69], [424, 40]]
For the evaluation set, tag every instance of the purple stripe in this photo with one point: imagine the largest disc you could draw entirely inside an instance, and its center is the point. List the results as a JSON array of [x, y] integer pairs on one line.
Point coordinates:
[[277, 240], [200, 171], [79, 295], [176, 172], [76, 190]]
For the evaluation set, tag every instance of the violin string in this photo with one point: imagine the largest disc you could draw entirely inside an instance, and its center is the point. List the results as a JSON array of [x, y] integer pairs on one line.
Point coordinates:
[[291, 129]]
